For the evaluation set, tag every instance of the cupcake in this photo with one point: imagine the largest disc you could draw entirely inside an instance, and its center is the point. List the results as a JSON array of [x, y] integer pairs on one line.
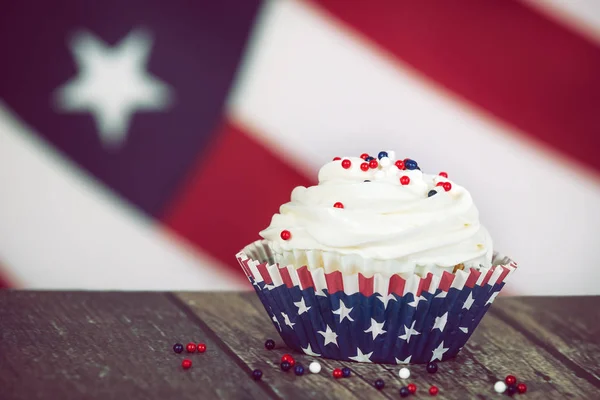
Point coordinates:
[[379, 262]]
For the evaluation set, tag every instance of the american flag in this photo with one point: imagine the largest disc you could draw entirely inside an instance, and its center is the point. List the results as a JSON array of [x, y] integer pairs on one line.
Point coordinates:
[[144, 143]]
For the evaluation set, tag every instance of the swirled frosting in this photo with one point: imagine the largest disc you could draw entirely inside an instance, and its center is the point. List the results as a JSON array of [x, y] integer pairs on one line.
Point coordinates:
[[382, 218]]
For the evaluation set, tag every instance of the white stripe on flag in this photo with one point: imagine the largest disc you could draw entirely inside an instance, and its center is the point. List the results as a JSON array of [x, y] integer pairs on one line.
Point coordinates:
[[61, 229], [313, 90]]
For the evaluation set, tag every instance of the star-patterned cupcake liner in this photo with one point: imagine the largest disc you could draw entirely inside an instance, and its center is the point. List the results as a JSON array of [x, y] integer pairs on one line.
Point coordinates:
[[383, 319]]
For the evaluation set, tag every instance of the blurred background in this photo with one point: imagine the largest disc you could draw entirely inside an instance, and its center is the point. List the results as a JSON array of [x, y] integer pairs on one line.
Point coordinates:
[[144, 143]]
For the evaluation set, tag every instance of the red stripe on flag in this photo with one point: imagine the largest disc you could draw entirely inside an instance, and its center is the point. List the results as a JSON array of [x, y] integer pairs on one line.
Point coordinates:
[[397, 285], [335, 282], [446, 281], [231, 194], [262, 268], [472, 279], [285, 277], [502, 56], [365, 285], [305, 278]]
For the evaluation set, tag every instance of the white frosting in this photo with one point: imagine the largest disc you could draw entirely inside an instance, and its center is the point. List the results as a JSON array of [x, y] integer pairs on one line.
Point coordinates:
[[382, 219]]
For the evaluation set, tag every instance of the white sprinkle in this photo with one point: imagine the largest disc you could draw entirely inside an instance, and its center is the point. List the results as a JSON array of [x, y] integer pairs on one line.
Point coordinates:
[[404, 373], [385, 161], [314, 367], [500, 387]]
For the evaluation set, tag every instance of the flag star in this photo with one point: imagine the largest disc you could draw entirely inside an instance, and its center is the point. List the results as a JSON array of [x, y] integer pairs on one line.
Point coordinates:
[[385, 299], [112, 83], [344, 312], [405, 361], [416, 301], [309, 351], [360, 357], [287, 321], [409, 332], [320, 292], [469, 302], [376, 328], [270, 287], [329, 335], [492, 298], [441, 295], [277, 322], [465, 330], [440, 322], [301, 306], [439, 352]]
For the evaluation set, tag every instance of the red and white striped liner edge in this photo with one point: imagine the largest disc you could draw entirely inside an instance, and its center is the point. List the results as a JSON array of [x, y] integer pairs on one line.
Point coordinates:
[[275, 275]]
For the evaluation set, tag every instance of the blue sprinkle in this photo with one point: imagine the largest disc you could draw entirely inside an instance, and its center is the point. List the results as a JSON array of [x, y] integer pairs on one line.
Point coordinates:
[[432, 193], [299, 370], [410, 164], [369, 158], [382, 154], [366, 180], [346, 372]]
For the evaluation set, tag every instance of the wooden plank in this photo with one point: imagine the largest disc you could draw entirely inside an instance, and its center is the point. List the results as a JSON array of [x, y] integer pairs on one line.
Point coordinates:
[[568, 327], [57, 345], [494, 351]]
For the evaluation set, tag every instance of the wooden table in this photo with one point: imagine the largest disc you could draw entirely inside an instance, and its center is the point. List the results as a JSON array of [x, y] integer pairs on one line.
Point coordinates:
[[74, 345]]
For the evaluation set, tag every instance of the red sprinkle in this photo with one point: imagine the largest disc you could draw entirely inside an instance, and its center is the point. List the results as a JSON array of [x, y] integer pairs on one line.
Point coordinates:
[[191, 347], [337, 158], [447, 186], [521, 388], [405, 180], [346, 164], [433, 390], [510, 380], [285, 234], [364, 155], [373, 164], [439, 184], [364, 166], [444, 174], [399, 164], [337, 373], [186, 364], [412, 388], [338, 205], [201, 347], [288, 358]]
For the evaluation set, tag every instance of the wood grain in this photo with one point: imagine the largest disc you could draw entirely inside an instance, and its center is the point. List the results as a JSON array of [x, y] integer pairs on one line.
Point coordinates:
[[567, 327], [494, 351], [108, 345]]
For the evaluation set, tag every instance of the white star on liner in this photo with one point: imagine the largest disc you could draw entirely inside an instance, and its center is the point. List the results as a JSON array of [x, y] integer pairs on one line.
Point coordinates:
[[320, 292], [360, 357], [376, 328], [386, 299], [409, 332], [416, 301], [112, 83], [287, 321], [492, 298], [465, 330], [440, 322], [406, 361], [329, 335], [441, 295], [309, 351], [277, 322], [468, 302], [344, 312], [439, 352], [301, 306]]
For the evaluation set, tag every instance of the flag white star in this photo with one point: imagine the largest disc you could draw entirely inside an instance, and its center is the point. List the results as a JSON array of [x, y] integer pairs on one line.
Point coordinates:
[[112, 83], [464, 329], [385, 299], [440, 322], [360, 357], [376, 328], [301, 306], [439, 352], [329, 335], [406, 361], [492, 298], [277, 322], [416, 301], [409, 332], [344, 312], [441, 295], [309, 351], [320, 292], [468, 302], [287, 321]]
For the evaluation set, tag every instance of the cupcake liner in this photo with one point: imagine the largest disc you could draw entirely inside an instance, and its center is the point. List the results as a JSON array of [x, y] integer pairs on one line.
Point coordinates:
[[388, 319]]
